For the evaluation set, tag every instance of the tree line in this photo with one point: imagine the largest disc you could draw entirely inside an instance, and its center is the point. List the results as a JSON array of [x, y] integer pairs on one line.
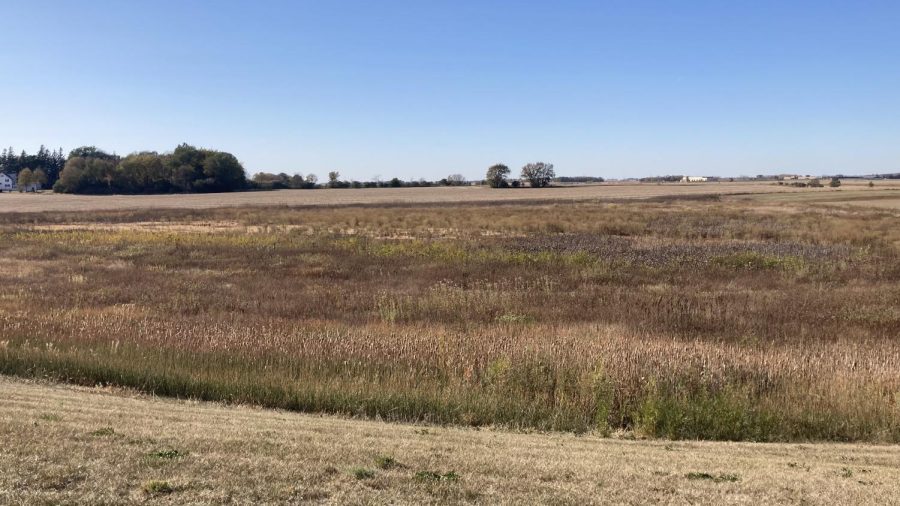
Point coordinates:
[[186, 169], [42, 167], [269, 181]]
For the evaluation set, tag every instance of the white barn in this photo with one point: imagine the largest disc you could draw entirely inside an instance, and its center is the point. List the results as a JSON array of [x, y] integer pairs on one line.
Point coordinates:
[[694, 179]]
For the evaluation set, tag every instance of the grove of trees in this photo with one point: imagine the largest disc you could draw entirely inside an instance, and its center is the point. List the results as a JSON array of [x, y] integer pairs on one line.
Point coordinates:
[[49, 163], [538, 175], [27, 178], [187, 169]]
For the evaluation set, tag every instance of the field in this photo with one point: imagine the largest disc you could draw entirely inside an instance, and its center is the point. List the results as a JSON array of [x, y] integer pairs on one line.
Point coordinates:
[[65, 445], [686, 318], [751, 316], [15, 202]]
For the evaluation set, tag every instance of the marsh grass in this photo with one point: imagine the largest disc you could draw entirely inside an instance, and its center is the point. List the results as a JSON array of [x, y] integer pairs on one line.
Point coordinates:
[[682, 320]]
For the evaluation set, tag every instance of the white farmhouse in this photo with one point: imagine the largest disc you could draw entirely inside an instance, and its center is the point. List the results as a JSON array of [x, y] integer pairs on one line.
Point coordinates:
[[694, 179], [7, 182]]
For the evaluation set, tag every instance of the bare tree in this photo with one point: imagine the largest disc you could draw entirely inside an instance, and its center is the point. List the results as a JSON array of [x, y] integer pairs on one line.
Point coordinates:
[[456, 180]]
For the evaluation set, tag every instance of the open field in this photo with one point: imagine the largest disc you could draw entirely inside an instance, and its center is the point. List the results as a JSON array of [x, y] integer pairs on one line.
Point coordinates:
[[682, 319], [65, 445], [15, 202]]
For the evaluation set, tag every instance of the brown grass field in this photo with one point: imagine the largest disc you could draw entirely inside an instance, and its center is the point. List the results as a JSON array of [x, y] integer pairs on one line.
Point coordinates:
[[65, 445], [48, 201], [750, 316]]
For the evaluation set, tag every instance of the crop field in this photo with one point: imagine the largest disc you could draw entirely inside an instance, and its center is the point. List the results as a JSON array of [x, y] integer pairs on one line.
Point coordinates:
[[17, 202], [700, 318]]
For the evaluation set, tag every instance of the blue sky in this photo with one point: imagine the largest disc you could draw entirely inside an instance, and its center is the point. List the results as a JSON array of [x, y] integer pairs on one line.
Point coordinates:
[[429, 88]]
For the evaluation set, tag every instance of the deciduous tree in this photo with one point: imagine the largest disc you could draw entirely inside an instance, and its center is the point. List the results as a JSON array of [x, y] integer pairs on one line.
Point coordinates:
[[538, 174], [496, 175]]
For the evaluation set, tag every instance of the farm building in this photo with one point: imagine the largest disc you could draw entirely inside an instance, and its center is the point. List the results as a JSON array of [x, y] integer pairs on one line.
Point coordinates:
[[7, 182], [694, 179]]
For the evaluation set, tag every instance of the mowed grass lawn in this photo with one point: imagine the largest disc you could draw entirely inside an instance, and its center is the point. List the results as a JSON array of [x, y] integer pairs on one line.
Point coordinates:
[[65, 445]]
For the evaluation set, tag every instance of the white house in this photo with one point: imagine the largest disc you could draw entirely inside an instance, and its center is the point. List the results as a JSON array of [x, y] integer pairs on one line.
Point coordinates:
[[694, 179], [7, 182]]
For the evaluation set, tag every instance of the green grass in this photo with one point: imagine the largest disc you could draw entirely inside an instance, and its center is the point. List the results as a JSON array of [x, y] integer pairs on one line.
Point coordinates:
[[386, 462], [157, 487], [514, 395], [167, 454], [361, 473]]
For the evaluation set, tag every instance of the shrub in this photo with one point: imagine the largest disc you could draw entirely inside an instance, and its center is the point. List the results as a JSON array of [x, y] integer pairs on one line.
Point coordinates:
[[361, 473], [157, 487]]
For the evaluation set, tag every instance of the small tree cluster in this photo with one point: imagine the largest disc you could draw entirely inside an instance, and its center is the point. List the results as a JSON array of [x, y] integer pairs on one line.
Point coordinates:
[[49, 163], [453, 180], [538, 175], [31, 178], [267, 181]]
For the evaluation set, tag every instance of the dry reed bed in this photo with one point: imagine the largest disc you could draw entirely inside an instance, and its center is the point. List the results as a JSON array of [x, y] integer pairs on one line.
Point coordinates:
[[687, 319]]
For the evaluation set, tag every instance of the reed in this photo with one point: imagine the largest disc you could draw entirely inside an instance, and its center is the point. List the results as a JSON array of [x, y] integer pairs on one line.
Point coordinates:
[[697, 319]]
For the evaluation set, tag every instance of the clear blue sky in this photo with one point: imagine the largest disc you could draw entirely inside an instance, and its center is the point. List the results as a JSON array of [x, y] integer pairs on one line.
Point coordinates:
[[426, 88]]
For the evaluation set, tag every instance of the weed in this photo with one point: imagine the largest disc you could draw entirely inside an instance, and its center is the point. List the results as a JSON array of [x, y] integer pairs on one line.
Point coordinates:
[[105, 431], [431, 476], [157, 487], [361, 473], [714, 478], [168, 454], [386, 462]]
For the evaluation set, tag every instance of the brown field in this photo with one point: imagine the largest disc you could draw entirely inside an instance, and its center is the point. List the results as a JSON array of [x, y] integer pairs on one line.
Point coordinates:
[[48, 201], [688, 318], [65, 445], [746, 317]]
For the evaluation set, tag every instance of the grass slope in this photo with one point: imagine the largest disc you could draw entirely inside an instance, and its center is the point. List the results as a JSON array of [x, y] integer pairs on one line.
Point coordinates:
[[68, 445]]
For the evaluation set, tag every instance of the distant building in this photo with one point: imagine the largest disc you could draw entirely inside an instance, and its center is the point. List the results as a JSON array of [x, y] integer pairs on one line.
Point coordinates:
[[7, 182], [694, 179]]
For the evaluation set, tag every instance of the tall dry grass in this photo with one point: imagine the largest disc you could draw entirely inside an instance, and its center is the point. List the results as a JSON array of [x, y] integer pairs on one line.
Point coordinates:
[[685, 320]]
